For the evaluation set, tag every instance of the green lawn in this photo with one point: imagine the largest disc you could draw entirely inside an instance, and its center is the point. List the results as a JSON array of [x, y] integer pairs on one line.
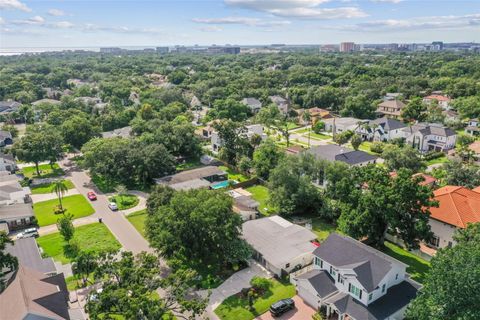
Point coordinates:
[[91, 237], [318, 136], [234, 175], [292, 125], [47, 187], [46, 171], [322, 229], [236, 306], [77, 205], [418, 268], [260, 194], [189, 164], [125, 202], [437, 160], [138, 220]]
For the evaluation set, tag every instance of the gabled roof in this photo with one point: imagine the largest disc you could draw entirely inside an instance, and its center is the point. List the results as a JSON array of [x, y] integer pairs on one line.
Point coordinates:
[[457, 206], [31, 292], [370, 265], [396, 104], [28, 255], [430, 128], [321, 281], [388, 123], [437, 97], [333, 152]]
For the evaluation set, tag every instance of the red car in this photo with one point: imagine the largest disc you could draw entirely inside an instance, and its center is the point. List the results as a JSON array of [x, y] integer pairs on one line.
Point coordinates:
[[91, 196]]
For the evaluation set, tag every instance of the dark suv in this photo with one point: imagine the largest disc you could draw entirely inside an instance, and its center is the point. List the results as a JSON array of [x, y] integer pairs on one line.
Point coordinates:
[[282, 306]]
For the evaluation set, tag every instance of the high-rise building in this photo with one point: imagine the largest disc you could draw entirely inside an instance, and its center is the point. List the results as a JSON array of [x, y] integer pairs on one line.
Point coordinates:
[[162, 49], [347, 47]]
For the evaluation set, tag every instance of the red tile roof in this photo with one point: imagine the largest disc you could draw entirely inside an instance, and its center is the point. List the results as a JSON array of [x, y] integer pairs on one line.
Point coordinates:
[[437, 97], [458, 206]]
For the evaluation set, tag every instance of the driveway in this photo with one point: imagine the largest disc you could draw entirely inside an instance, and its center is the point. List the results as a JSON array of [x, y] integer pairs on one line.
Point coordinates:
[[302, 311], [52, 195], [233, 285], [121, 228]]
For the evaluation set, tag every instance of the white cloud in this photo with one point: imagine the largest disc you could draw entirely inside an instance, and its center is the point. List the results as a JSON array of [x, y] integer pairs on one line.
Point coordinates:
[[211, 29], [14, 5], [89, 27], [419, 23], [387, 1], [56, 12], [62, 24], [2, 21], [302, 9], [252, 22], [37, 20]]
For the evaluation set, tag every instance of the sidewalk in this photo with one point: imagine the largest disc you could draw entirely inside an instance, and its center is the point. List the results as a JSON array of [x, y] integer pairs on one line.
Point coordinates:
[[49, 196], [77, 222]]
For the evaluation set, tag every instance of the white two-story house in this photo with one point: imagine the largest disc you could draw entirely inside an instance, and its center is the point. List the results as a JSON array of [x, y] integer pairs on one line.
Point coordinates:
[[382, 129], [351, 280], [430, 137]]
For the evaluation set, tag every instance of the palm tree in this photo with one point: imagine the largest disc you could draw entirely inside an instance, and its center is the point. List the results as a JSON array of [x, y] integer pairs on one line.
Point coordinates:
[[307, 117], [60, 188]]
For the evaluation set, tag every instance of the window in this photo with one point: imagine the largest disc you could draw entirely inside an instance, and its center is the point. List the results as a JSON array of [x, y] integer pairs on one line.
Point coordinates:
[[356, 291], [383, 287], [435, 241], [396, 276], [340, 278], [319, 262], [370, 296], [332, 272], [287, 265]]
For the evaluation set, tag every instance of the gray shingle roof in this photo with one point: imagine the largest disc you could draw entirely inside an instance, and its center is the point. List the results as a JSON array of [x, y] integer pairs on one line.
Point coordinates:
[[388, 123], [396, 298], [334, 152], [28, 255], [320, 281], [15, 211], [432, 128], [370, 265]]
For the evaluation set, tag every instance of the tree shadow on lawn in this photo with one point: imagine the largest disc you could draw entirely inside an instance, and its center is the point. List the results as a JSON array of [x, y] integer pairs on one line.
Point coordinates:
[[71, 250], [417, 268]]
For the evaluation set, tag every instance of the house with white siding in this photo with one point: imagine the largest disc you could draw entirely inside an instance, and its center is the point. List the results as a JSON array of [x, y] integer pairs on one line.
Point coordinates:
[[350, 280], [382, 129], [430, 137]]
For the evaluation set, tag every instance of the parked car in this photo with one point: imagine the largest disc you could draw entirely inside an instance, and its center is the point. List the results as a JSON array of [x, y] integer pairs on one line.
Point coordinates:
[[281, 306], [113, 206], [28, 233], [91, 196]]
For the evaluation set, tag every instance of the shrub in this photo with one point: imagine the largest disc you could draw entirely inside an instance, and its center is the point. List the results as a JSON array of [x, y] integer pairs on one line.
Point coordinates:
[[433, 155], [377, 147], [318, 127], [260, 284]]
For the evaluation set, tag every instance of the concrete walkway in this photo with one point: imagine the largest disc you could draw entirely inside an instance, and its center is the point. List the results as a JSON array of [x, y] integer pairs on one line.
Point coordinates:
[[118, 224], [233, 285], [77, 222], [49, 196]]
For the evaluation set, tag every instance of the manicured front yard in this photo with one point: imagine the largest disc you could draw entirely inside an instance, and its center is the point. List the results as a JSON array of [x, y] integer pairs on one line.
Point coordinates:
[[236, 306], [138, 220], [260, 194], [47, 187], [91, 237], [443, 159], [234, 175], [322, 229], [418, 268], [77, 205], [125, 202], [46, 171]]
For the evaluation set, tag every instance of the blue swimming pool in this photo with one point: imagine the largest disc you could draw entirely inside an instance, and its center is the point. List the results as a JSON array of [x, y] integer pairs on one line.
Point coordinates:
[[223, 184]]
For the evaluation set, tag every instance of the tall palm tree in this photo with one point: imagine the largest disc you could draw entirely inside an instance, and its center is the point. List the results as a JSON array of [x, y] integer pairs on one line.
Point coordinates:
[[307, 118], [60, 188]]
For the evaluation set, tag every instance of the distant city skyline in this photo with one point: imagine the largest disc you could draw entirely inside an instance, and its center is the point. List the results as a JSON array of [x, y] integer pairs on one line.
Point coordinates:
[[143, 23]]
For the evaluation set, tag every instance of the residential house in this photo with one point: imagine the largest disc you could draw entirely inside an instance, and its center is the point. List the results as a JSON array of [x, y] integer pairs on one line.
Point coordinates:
[[250, 131], [339, 125], [6, 138], [426, 180], [443, 101], [16, 216], [391, 108], [12, 192], [204, 177], [382, 129], [316, 114], [46, 101], [28, 254], [279, 245], [473, 127], [457, 207], [253, 104], [333, 152], [430, 137], [354, 281], [451, 115], [9, 106], [244, 204], [7, 162], [389, 96], [282, 104], [30, 294], [125, 132]]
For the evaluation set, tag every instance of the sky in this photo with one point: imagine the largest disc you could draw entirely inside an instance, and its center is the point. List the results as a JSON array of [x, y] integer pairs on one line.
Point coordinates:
[[94, 23]]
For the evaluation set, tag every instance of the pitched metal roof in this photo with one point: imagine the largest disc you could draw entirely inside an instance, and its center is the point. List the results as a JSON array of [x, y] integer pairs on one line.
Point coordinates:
[[370, 265]]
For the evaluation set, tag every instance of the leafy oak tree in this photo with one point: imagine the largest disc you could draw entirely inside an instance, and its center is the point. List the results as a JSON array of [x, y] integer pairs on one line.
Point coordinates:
[[451, 288], [77, 130], [402, 157], [266, 157]]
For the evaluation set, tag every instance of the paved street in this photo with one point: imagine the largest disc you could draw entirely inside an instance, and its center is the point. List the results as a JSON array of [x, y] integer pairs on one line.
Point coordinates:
[[121, 228]]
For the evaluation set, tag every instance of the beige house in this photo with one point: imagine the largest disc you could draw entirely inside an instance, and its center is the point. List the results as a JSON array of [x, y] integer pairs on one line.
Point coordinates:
[[391, 108]]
